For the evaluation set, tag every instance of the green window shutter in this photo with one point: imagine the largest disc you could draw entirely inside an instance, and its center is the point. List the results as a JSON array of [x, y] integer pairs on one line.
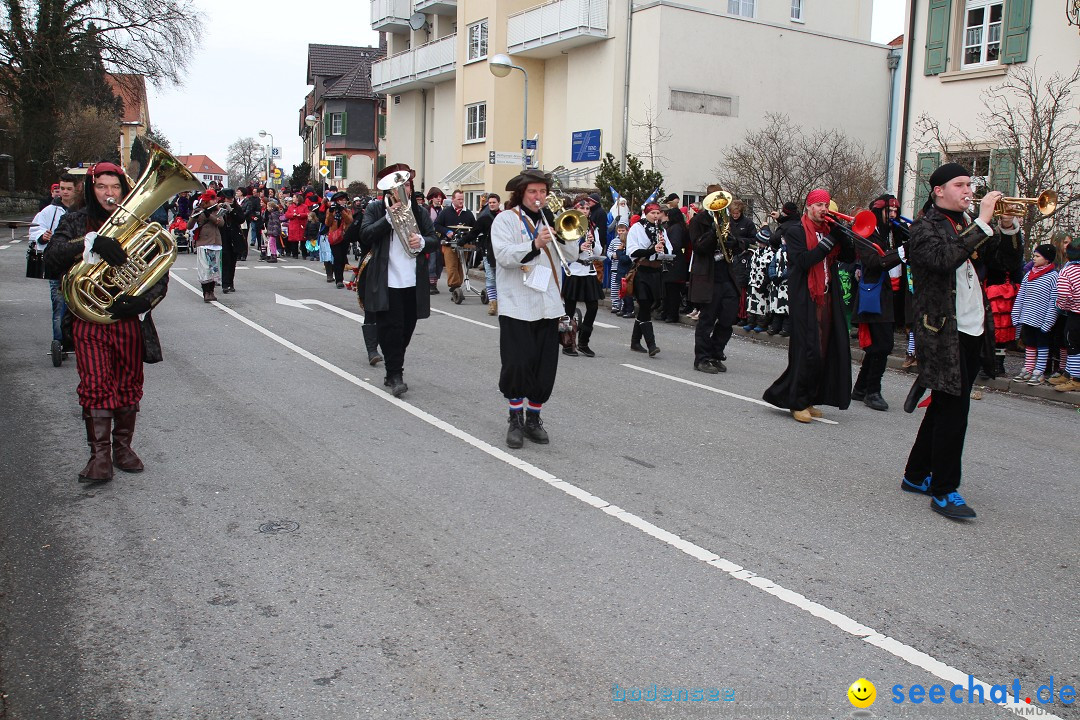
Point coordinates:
[[382, 126], [344, 123], [937, 37], [380, 163], [928, 163], [1014, 36], [344, 166], [325, 125], [1003, 170]]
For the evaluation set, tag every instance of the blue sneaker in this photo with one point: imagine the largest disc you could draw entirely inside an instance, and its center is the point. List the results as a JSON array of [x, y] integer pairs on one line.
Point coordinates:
[[952, 506], [747, 328], [922, 488], [759, 329]]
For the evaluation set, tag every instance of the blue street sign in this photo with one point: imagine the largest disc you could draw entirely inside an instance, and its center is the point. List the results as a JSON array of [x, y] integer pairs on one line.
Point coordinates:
[[528, 144], [585, 146]]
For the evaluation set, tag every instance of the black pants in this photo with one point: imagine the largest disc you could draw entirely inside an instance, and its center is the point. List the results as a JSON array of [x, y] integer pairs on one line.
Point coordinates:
[[714, 324], [672, 300], [876, 358], [341, 256], [228, 264], [939, 446], [292, 248], [395, 327], [587, 320], [529, 351]]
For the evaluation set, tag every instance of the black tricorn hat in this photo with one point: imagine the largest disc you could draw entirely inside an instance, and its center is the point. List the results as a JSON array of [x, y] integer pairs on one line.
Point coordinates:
[[528, 177]]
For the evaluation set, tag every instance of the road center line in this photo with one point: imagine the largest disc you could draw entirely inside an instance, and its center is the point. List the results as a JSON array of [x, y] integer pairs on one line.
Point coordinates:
[[848, 625], [718, 391]]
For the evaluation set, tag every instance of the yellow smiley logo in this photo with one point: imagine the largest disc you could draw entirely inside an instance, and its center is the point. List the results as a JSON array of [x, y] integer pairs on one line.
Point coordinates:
[[862, 693]]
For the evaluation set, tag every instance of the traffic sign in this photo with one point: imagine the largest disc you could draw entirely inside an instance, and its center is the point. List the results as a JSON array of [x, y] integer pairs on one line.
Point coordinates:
[[324, 171], [529, 144], [324, 163], [277, 172], [275, 153]]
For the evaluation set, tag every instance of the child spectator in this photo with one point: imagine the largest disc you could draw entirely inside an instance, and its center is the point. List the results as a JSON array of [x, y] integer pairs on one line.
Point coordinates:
[[1068, 302], [1035, 312], [757, 298], [778, 286]]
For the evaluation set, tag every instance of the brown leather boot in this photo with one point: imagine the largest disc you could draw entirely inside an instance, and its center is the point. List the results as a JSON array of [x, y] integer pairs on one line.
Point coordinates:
[[123, 430], [98, 427]]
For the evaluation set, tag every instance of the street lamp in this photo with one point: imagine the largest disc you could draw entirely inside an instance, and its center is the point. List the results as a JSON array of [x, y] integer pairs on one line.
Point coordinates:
[[263, 133], [311, 121], [500, 66]]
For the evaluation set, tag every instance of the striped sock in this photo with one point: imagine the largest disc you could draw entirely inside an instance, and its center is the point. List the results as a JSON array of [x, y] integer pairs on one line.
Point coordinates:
[[911, 343], [491, 293], [535, 407], [1029, 359], [1063, 358], [1072, 366], [1040, 362], [516, 404]]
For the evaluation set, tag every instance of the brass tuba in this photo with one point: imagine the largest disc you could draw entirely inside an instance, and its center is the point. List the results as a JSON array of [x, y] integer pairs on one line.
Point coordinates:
[[91, 289], [401, 220], [716, 205]]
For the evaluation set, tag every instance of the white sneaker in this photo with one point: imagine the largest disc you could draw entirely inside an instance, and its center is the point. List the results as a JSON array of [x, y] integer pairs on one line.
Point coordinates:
[[1036, 379], [1024, 376]]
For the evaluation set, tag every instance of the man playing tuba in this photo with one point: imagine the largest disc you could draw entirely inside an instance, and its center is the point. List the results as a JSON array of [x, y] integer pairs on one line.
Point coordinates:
[[110, 356]]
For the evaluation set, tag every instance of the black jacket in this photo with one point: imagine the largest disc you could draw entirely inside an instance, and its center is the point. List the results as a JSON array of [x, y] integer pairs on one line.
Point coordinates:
[[449, 216], [480, 235], [375, 234], [679, 269], [703, 272]]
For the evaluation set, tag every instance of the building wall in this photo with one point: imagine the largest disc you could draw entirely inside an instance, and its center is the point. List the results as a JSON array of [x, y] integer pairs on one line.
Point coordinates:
[[954, 98]]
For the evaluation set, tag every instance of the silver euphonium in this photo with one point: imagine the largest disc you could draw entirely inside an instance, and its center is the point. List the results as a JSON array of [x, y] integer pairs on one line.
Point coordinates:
[[402, 219]]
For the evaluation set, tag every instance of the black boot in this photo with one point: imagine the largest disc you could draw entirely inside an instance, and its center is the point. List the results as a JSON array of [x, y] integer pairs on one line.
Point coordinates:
[[98, 437], [371, 341], [650, 338], [534, 428], [515, 435], [583, 342], [635, 338], [397, 385], [329, 271]]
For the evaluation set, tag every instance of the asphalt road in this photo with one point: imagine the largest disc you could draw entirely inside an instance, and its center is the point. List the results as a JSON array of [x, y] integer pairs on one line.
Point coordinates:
[[302, 545]]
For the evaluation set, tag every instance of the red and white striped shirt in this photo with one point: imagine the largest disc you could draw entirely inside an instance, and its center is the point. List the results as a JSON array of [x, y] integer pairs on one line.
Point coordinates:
[[1068, 287]]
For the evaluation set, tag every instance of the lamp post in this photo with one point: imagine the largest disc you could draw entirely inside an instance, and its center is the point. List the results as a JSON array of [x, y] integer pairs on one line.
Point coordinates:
[[500, 66], [311, 121], [263, 133]]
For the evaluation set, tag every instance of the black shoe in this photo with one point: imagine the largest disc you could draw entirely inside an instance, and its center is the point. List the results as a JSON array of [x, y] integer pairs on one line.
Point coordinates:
[[340, 285], [569, 351], [783, 333], [374, 358], [636, 347], [858, 395], [952, 506], [534, 428], [586, 351], [515, 434], [434, 290], [719, 365], [706, 366], [874, 401], [397, 386], [654, 351], [922, 489], [330, 279]]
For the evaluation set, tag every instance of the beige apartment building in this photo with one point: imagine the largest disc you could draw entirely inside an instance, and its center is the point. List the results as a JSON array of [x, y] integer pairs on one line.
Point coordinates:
[[960, 49], [706, 71]]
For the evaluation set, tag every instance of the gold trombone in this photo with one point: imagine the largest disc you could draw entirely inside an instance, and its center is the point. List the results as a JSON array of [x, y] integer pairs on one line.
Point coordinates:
[[1018, 207]]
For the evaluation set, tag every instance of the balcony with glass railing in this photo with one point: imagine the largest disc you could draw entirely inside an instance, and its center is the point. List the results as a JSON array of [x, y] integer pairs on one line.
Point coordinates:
[[391, 16], [436, 7], [555, 27], [419, 67]]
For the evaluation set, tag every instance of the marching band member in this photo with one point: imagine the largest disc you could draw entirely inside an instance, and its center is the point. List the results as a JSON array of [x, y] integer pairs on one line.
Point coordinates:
[[209, 218], [395, 289], [819, 356], [530, 303], [712, 289], [581, 284], [645, 241], [109, 357]]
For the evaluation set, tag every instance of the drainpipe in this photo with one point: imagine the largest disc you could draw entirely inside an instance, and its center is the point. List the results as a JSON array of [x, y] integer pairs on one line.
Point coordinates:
[[907, 106], [894, 62], [626, 83], [423, 141]]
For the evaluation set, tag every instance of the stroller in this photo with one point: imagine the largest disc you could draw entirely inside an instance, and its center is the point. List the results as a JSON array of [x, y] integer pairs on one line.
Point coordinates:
[[180, 233]]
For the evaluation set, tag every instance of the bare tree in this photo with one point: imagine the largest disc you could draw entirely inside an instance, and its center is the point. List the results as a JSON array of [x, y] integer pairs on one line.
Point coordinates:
[[1033, 125], [779, 163], [247, 159], [86, 134], [655, 136]]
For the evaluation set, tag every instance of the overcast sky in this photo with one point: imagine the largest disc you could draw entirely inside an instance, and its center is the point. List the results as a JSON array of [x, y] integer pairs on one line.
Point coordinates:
[[249, 73]]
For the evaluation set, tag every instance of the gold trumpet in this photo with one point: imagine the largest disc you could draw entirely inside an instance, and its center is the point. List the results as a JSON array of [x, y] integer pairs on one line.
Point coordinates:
[[1018, 207]]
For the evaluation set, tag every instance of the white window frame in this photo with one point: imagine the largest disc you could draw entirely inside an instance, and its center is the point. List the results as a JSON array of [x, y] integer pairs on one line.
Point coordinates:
[[983, 32], [339, 166], [472, 200], [975, 160], [476, 122], [477, 44], [337, 122], [796, 11], [742, 8]]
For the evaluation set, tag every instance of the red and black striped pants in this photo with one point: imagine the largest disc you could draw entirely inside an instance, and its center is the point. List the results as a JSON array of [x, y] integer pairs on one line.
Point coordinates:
[[110, 363]]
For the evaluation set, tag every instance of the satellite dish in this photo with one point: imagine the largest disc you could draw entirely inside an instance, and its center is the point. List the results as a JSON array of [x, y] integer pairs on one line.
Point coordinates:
[[418, 21]]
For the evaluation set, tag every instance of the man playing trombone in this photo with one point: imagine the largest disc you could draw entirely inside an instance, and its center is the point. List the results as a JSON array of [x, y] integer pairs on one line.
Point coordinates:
[[528, 258]]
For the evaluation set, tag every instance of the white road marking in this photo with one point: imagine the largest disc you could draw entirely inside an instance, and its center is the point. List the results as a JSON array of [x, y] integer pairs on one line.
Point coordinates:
[[468, 320], [844, 623], [597, 323], [718, 391], [282, 300]]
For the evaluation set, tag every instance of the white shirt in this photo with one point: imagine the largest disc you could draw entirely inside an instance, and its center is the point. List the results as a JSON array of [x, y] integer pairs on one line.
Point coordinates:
[[638, 239], [970, 314], [511, 241], [401, 272], [46, 221], [585, 270]]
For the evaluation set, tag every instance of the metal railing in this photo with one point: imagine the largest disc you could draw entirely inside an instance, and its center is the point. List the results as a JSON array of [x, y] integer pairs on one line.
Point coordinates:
[[425, 61], [556, 21]]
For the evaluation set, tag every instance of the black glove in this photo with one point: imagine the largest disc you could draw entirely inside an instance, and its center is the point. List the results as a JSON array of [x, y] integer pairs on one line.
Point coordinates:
[[827, 242], [110, 250], [126, 306]]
